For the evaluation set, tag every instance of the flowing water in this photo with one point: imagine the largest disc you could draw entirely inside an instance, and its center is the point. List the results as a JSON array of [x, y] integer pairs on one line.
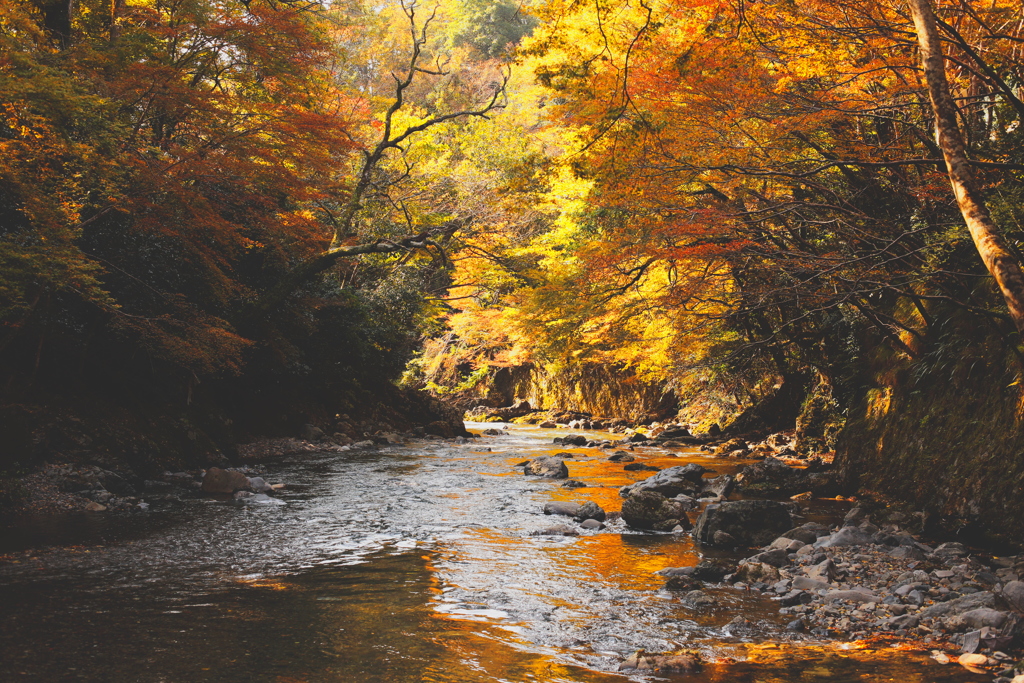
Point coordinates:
[[410, 563]]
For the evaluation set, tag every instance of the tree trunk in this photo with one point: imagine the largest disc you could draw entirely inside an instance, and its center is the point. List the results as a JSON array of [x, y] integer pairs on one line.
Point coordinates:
[[997, 257]]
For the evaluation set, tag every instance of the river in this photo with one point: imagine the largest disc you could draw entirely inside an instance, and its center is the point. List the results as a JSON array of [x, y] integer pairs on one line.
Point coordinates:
[[413, 563]]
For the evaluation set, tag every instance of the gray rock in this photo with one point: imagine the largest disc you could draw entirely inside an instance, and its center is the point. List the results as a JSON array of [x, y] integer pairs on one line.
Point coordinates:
[[823, 571], [854, 596], [557, 530], [719, 486], [846, 536], [1013, 594], [652, 510], [952, 550], [808, 533], [960, 605], [620, 456], [698, 599], [712, 570], [573, 484], [724, 538], [669, 482], [809, 584], [590, 510], [549, 467], [906, 552], [906, 621], [688, 502], [561, 507], [915, 597], [981, 617], [796, 626], [571, 440], [757, 572], [591, 525], [749, 522], [259, 485], [776, 558]]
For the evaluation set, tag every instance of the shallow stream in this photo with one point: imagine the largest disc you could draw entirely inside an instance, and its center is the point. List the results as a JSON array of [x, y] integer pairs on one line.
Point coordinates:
[[411, 563]]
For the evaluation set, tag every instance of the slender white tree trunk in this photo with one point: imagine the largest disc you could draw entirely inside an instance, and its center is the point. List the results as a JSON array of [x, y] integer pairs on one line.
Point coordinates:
[[1000, 262]]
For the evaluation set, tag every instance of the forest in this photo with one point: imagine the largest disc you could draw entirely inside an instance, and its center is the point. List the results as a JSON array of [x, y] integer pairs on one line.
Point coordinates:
[[224, 220]]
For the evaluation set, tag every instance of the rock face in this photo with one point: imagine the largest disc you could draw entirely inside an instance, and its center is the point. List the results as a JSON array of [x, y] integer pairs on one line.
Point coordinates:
[[670, 482], [551, 467], [749, 522], [651, 510], [224, 481]]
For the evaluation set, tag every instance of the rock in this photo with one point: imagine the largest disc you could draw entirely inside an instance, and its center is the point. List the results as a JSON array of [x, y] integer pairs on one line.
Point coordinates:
[[906, 552], [776, 557], [952, 550], [259, 485], [907, 621], [494, 432], [855, 596], [748, 522], [808, 533], [712, 571], [669, 482], [651, 510], [573, 484], [682, 582], [115, 483], [548, 466], [591, 525], [95, 507], [808, 584], [724, 538], [620, 456], [685, 662], [714, 430], [755, 572], [310, 432], [698, 599], [771, 476], [590, 510], [848, 535], [547, 424], [1013, 594], [790, 545], [557, 530], [823, 571], [571, 440], [564, 508], [960, 605], [640, 467], [719, 486], [977, 619], [217, 480], [796, 626]]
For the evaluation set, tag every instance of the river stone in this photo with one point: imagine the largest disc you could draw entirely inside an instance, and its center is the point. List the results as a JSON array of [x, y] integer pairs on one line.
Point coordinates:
[[808, 533], [651, 510], [776, 557], [573, 484], [1013, 594], [960, 605], [977, 619], [712, 570], [590, 510], [571, 440], [854, 596], [719, 486], [808, 584], [848, 535], [224, 481], [686, 662], [698, 599], [561, 507], [591, 524], [670, 482], [557, 530], [548, 466], [259, 485], [906, 552], [749, 522], [755, 572], [620, 456]]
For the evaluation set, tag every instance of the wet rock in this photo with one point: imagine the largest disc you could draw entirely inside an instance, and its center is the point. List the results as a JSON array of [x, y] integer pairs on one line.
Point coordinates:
[[591, 525], [494, 432], [776, 557], [640, 467], [712, 570], [557, 530], [573, 484], [698, 599], [590, 510], [808, 533], [682, 582], [774, 477], [757, 572], [620, 456], [977, 619], [719, 486], [683, 662], [224, 481], [564, 508], [797, 625], [960, 605], [259, 485], [548, 466], [669, 482], [749, 522], [688, 502], [547, 424], [571, 440], [907, 621], [724, 538], [651, 510]]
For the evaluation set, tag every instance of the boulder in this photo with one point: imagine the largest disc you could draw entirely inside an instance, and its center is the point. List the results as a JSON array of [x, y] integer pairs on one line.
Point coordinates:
[[976, 619], [1013, 594], [547, 424], [651, 510], [669, 482], [749, 522], [620, 456], [571, 440], [848, 535], [771, 476], [217, 480], [591, 524], [259, 485], [906, 552], [311, 432], [564, 508], [808, 584], [640, 467], [808, 533], [719, 486], [590, 510], [712, 570], [548, 466], [757, 572], [960, 605]]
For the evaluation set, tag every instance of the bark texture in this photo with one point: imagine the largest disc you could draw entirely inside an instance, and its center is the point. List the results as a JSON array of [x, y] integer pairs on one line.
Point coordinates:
[[1001, 263]]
